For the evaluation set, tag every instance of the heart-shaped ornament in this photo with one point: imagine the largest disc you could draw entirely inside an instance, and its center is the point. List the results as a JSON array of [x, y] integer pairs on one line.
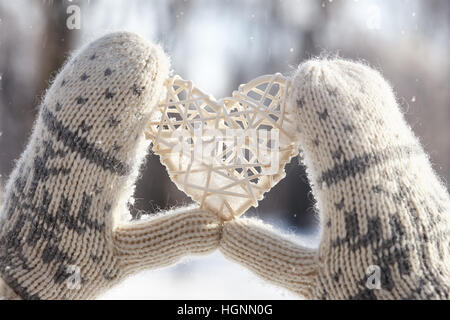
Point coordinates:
[[226, 154]]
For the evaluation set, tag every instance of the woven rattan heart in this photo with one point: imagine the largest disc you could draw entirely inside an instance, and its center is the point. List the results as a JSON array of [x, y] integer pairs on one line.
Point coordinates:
[[225, 154]]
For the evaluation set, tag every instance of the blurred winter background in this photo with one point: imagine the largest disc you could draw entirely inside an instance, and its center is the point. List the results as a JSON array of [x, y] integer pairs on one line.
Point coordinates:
[[220, 44]]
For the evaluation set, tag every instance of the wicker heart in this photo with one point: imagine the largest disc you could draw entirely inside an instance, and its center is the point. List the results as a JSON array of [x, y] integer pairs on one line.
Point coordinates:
[[225, 154]]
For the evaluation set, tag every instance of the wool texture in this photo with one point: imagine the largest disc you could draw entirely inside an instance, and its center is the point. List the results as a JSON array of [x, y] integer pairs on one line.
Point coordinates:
[[270, 254], [385, 215], [381, 202], [66, 198]]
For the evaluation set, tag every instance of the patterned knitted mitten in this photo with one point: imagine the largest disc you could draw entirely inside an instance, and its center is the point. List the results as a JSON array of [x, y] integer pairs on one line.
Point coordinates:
[[385, 215], [60, 231]]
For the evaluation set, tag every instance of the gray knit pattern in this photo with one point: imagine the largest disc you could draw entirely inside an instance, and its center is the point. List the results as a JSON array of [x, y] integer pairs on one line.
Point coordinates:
[[385, 215], [380, 202], [66, 198]]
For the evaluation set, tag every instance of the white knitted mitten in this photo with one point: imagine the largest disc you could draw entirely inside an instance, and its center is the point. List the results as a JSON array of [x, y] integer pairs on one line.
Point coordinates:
[[62, 208], [385, 215]]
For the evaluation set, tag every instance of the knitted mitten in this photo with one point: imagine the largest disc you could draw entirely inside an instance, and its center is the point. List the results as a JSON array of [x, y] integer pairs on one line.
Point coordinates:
[[385, 215], [60, 232]]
